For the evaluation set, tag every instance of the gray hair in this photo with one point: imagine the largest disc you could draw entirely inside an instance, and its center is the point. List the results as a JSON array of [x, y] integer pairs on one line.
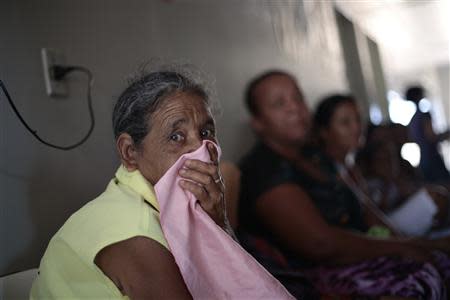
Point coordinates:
[[145, 93]]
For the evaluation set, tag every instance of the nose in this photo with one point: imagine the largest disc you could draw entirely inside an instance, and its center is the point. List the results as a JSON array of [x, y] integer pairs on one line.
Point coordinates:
[[356, 128], [298, 108], [194, 142], [292, 105]]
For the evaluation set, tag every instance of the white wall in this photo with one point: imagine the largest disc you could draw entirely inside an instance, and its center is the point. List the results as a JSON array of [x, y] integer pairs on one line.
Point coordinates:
[[233, 40], [443, 74]]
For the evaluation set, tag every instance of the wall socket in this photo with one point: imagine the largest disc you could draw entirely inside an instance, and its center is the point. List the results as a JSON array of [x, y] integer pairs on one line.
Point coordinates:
[[51, 57]]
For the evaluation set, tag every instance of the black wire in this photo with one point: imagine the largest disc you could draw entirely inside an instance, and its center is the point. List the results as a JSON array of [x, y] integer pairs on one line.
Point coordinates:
[[89, 102]]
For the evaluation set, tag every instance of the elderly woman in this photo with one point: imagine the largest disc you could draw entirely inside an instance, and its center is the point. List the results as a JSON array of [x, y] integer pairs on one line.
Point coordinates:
[[297, 218], [116, 246]]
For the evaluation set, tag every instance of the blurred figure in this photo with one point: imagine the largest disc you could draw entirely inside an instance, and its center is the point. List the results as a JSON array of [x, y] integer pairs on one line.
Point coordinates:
[[422, 133], [412, 206], [338, 128], [297, 217]]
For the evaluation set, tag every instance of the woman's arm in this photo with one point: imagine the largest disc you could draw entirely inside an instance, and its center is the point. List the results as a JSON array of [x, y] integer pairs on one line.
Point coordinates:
[[142, 268], [442, 244], [290, 214]]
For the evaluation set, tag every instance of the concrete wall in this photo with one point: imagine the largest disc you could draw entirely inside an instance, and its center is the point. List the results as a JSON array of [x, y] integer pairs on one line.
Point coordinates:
[[18, 285], [443, 74], [233, 40]]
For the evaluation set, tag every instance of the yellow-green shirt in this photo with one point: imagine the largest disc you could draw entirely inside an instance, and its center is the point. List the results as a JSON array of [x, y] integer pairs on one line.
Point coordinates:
[[128, 208]]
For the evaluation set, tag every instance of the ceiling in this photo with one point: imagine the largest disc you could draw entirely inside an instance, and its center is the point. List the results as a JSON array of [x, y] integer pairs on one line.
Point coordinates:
[[411, 34]]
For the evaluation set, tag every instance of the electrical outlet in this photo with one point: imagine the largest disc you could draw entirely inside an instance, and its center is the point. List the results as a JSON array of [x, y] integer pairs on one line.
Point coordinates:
[[50, 58]]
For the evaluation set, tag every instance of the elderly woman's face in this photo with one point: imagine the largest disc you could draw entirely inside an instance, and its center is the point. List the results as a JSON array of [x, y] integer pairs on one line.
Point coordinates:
[[180, 125]]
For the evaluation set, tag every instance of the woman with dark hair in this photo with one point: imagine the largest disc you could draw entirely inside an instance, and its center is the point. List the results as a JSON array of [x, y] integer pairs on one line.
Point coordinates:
[[337, 123], [296, 215]]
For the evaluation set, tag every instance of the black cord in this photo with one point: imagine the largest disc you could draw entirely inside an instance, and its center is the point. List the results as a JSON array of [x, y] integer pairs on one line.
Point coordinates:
[[65, 70]]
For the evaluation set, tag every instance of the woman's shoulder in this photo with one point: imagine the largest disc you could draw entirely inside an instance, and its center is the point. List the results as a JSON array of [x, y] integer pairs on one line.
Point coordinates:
[[262, 161], [116, 215], [262, 169], [258, 156], [117, 200]]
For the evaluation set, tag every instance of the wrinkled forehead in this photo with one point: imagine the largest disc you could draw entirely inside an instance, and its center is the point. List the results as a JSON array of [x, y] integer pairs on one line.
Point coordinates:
[[187, 101], [189, 106]]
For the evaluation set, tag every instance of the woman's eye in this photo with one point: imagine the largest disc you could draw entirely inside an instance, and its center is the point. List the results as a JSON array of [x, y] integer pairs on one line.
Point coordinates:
[[176, 137], [277, 103], [207, 133]]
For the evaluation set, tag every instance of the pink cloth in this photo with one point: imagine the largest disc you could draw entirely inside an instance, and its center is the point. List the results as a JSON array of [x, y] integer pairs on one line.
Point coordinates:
[[212, 264]]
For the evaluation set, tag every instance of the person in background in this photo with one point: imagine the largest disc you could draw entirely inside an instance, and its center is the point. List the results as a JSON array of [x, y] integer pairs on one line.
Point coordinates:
[[298, 219], [396, 186], [421, 132]]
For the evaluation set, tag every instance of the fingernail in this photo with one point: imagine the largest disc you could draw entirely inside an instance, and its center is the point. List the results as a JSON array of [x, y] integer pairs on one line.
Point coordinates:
[[182, 171]]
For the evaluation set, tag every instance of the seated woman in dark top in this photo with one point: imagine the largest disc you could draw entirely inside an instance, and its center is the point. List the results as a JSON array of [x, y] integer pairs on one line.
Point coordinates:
[[294, 215]]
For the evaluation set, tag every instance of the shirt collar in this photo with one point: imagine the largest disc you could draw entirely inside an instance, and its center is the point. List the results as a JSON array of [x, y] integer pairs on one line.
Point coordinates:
[[138, 183]]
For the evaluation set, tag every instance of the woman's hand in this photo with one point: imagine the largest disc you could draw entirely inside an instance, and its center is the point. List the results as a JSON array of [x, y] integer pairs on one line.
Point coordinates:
[[205, 182]]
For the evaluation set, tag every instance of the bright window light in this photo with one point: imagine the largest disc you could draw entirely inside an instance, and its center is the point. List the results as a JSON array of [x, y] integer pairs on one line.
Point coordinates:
[[411, 152], [376, 117], [400, 110], [424, 105]]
